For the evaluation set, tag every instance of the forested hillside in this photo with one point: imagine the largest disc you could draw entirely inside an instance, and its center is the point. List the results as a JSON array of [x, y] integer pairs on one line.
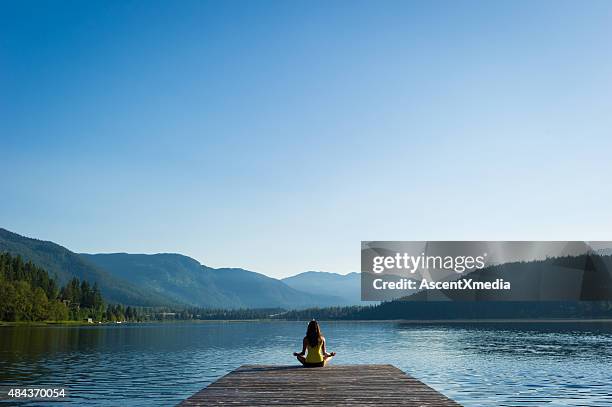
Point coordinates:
[[64, 265], [27, 293]]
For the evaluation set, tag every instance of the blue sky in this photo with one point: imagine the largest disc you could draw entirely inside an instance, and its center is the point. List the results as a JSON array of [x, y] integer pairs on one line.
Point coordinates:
[[275, 136]]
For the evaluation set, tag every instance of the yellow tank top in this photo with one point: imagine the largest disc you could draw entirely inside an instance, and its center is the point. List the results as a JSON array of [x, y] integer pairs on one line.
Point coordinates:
[[314, 353]]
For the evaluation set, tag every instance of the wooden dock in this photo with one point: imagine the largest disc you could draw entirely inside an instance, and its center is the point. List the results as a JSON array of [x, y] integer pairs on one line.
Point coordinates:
[[341, 385]]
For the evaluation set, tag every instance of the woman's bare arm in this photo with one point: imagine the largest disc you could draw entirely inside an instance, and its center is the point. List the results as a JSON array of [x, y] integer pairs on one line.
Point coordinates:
[[324, 351]]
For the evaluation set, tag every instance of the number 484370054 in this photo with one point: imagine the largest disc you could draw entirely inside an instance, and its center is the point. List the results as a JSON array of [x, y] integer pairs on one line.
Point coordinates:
[[35, 393]]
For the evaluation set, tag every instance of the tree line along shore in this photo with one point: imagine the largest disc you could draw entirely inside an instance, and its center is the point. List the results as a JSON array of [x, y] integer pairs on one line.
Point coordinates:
[[29, 295]]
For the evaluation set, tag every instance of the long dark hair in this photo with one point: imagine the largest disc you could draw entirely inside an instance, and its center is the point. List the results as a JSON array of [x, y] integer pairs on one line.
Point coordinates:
[[313, 333]]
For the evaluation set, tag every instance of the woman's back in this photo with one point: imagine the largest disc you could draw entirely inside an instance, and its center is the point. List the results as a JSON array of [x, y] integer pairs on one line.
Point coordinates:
[[315, 354]]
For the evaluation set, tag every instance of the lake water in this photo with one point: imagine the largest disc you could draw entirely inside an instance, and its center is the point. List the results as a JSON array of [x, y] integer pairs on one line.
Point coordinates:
[[161, 364]]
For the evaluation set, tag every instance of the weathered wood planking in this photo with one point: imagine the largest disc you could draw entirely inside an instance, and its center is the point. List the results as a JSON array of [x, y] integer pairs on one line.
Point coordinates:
[[348, 385]]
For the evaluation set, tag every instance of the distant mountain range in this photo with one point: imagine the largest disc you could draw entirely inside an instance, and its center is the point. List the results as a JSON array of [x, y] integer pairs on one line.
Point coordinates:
[[347, 287], [182, 279], [63, 265], [172, 279]]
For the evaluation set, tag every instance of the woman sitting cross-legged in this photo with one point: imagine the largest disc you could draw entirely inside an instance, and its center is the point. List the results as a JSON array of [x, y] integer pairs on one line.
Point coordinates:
[[314, 342]]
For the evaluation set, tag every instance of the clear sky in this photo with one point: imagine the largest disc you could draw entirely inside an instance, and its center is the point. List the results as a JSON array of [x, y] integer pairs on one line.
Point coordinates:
[[276, 135]]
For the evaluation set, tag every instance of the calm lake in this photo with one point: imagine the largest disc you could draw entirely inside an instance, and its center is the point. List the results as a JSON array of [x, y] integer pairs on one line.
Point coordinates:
[[531, 364]]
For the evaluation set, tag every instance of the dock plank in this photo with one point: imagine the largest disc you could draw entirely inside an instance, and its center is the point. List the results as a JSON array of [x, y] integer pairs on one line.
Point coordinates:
[[336, 385]]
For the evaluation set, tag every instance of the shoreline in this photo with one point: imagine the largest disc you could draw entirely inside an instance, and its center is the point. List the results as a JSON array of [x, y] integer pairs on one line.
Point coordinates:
[[43, 323], [392, 321]]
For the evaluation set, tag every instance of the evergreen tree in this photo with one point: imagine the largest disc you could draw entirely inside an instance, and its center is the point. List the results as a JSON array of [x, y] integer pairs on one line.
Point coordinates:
[[27, 293]]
